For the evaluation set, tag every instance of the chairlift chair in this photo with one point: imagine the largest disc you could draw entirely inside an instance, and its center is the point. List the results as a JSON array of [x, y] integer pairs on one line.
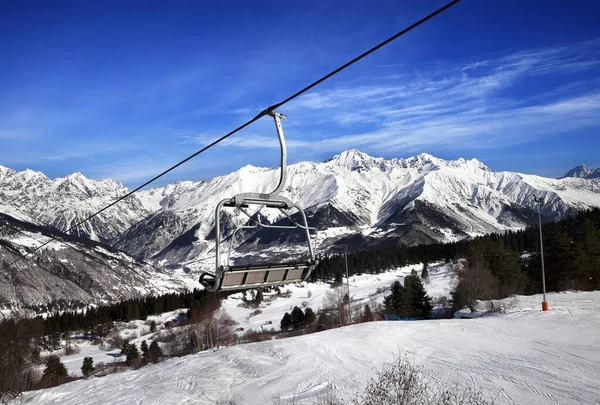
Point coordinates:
[[237, 277]]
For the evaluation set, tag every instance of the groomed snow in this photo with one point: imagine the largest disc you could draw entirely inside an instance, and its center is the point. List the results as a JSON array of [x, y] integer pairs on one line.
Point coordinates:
[[524, 356], [364, 289]]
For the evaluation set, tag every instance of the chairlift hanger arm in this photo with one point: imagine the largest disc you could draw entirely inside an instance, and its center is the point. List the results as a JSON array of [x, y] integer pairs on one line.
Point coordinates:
[[282, 146]]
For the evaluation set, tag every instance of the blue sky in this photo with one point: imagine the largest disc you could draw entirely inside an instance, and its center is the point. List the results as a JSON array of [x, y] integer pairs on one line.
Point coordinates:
[[126, 89]]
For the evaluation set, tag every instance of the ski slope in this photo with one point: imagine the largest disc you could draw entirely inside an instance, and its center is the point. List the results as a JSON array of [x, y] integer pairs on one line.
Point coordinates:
[[365, 289], [523, 356]]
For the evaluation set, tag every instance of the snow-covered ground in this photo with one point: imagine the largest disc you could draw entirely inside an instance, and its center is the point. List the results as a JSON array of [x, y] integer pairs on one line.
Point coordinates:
[[363, 290], [134, 332], [523, 356]]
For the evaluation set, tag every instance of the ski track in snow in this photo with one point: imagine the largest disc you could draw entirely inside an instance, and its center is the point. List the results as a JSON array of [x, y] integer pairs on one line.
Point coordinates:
[[524, 356]]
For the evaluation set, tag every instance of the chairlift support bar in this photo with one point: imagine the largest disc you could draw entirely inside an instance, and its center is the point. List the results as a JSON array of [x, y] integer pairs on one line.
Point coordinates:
[[227, 277]]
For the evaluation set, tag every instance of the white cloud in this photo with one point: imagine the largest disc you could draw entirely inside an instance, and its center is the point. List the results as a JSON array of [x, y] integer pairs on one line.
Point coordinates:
[[481, 104]]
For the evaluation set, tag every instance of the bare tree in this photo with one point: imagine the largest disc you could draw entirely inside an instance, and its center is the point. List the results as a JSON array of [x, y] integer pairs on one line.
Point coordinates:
[[217, 330], [398, 383], [403, 383], [336, 303], [475, 282]]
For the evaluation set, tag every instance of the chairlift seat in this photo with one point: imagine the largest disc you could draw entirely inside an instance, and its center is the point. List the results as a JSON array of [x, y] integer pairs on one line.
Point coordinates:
[[261, 275]]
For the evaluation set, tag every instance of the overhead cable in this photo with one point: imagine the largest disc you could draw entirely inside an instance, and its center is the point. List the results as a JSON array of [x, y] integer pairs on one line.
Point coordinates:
[[251, 121]]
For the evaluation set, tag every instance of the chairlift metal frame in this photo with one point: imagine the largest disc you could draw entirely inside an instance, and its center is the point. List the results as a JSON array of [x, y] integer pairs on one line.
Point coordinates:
[[230, 277]]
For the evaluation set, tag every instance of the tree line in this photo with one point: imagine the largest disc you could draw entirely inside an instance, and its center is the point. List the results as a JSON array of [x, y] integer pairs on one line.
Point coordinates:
[[22, 339], [571, 253]]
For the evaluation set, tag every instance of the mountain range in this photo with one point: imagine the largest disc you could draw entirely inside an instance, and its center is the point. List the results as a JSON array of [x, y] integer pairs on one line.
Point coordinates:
[[68, 270], [353, 199], [583, 172]]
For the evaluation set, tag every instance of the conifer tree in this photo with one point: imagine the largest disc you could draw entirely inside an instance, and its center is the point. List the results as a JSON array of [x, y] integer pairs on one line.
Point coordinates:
[[133, 355], [368, 315], [286, 322], [144, 348], [298, 319], [131, 352], [425, 272], [88, 366], [155, 352], [309, 316], [393, 301], [415, 302], [55, 372]]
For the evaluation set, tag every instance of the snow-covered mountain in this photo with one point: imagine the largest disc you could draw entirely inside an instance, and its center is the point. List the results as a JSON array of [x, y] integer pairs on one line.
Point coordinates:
[[583, 172], [63, 202], [69, 270], [352, 198], [357, 200]]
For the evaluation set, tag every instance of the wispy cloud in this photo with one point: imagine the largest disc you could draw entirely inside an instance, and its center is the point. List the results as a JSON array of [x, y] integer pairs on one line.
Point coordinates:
[[479, 104]]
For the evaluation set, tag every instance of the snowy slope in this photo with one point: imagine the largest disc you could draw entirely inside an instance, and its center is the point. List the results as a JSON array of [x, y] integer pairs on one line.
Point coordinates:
[[365, 289], [524, 356]]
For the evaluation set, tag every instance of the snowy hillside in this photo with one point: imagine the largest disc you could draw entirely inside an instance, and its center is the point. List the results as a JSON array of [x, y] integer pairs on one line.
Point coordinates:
[[76, 270], [365, 289], [524, 356]]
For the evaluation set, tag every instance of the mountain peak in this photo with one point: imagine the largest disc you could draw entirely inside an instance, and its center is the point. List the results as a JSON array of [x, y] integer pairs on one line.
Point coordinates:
[[29, 174], [77, 176], [583, 172], [356, 160], [352, 159], [5, 171], [422, 159], [350, 154]]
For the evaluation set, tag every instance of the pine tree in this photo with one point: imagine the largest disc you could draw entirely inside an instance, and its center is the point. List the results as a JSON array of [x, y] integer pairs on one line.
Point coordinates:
[[55, 372], [133, 355], [415, 302], [309, 316], [286, 322], [144, 348], [152, 326], [393, 301], [298, 320], [368, 315], [124, 348], [425, 272], [155, 352], [88, 366]]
